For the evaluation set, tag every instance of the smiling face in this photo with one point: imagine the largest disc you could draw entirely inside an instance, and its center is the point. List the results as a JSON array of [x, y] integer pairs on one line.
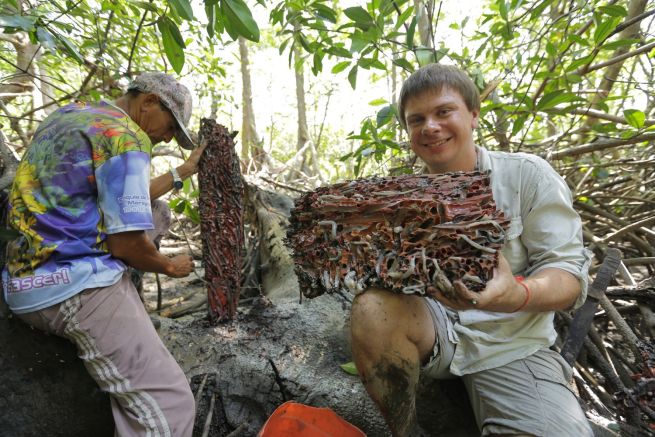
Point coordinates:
[[440, 128]]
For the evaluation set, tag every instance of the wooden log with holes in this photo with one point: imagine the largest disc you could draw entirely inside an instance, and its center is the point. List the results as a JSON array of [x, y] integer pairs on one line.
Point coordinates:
[[405, 233], [221, 219]]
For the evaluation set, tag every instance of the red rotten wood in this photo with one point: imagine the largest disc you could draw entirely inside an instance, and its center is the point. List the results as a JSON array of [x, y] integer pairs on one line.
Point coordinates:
[[405, 233], [221, 220]]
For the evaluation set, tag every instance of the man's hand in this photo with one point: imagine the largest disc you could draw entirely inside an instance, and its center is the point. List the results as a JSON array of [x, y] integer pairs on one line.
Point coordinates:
[[164, 183], [136, 250], [502, 294], [180, 266], [190, 166]]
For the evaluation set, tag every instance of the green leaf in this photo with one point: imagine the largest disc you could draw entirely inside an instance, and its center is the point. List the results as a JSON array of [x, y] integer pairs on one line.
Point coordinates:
[[179, 206], [186, 186], [502, 9], [536, 12], [45, 38], [579, 63], [340, 67], [303, 42], [385, 115], [352, 77], [172, 47], [229, 27], [358, 166], [182, 8], [240, 17], [358, 42], [325, 12], [424, 56], [377, 102], [604, 128], [317, 64], [619, 43], [70, 48], [555, 98], [144, 5], [573, 78], [551, 49], [578, 39], [360, 16], [628, 133], [368, 63], [604, 29], [635, 118], [175, 32], [440, 54], [283, 46], [192, 213], [14, 5], [339, 51], [25, 23], [410, 32], [613, 10], [404, 64], [519, 123], [210, 11], [402, 18]]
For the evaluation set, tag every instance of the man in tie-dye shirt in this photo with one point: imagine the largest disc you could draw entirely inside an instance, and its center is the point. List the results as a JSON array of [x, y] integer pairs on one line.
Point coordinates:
[[81, 201]]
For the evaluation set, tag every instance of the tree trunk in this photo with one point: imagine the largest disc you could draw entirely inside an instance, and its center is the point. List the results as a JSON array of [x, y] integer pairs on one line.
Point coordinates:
[[251, 147], [611, 73], [21, 80], [303, 131], [424, 10], [269, 213]]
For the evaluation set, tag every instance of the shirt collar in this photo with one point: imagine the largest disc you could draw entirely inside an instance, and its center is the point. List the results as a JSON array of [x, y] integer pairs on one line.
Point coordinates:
[[483, 161]]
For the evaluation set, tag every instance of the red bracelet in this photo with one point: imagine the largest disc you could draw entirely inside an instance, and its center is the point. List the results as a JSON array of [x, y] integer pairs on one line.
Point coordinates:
[[528, 293]]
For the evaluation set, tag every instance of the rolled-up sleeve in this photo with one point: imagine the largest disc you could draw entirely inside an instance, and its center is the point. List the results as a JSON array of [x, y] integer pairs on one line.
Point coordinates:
[[552, 229]]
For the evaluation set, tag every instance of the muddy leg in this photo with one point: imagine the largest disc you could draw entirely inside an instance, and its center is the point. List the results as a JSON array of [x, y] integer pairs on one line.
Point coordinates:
[[392, 335]]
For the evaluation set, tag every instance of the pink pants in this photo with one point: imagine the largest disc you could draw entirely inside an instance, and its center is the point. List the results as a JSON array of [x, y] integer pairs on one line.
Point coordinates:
[[115, 338]]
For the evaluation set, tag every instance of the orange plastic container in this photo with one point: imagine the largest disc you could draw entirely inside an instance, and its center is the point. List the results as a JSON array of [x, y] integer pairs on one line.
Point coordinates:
[[292, 419]]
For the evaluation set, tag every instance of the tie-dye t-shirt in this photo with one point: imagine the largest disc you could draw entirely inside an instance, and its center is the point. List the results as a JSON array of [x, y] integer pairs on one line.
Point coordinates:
[[85, 175]]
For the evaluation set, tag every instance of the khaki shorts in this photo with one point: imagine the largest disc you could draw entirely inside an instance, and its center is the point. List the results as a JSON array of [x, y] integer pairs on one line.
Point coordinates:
[[530, 395]]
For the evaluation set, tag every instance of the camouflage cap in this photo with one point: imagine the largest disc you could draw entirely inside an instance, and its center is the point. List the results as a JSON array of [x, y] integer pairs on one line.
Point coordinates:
[[174, 96]]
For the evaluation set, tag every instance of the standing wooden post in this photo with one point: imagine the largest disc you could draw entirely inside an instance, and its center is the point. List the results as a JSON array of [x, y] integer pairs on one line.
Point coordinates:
[[221, 220]]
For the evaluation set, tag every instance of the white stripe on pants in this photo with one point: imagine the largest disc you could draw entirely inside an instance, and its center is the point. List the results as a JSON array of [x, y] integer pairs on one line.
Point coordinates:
[[150, 395]]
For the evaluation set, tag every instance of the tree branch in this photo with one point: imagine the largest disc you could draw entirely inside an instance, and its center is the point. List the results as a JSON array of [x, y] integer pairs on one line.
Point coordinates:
[[557, 62], [24, 71], [13, 123], [136, 38], [599, 145], [628, 228], [9, 38], [9, 162], [630, 22], [619, 58], [615, 118]]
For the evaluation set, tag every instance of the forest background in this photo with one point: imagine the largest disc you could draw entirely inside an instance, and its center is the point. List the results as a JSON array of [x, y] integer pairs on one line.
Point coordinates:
[[311, 85]]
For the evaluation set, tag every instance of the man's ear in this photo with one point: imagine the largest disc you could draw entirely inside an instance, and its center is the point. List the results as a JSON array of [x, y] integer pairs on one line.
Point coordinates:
[[475, 120], [150, 99]]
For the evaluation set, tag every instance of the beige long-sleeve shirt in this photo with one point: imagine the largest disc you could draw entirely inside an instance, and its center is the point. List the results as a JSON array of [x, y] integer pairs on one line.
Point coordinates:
[[544, 232]]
